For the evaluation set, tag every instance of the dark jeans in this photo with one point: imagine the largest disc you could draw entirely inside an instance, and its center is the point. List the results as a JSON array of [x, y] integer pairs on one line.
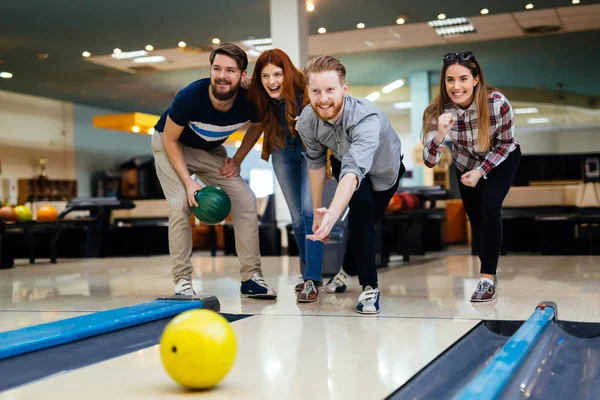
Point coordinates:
[[367, 207], [483, 204]]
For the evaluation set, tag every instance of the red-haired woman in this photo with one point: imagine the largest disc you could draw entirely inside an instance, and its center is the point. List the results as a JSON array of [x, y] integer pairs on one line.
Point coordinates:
[[278, 89]]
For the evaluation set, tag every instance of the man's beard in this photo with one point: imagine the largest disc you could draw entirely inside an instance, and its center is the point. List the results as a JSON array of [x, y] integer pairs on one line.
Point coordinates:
[[223, 96], [336, 110]]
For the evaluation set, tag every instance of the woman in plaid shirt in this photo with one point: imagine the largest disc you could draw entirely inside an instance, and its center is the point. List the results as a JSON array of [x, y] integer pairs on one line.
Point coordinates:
[[486, 156]]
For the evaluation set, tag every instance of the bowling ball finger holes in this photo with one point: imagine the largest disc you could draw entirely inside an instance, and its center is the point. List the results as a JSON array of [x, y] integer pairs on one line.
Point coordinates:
[[174, 349]]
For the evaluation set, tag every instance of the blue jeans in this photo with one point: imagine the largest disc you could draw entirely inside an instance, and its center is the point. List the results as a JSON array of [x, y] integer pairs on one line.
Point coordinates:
[[291, 171]]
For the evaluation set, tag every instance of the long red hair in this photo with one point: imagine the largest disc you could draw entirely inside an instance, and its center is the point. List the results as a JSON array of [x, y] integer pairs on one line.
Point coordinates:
[[294, 82]]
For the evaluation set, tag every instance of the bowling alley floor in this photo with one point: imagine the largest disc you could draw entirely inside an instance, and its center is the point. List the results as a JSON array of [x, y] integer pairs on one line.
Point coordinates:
[[322, 350]]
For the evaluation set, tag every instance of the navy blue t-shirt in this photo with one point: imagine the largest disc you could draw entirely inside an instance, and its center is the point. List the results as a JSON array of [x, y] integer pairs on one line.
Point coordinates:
[[205, 127]]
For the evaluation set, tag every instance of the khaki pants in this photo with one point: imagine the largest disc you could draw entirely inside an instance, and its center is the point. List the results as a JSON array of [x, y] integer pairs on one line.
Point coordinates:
[[206, 165]]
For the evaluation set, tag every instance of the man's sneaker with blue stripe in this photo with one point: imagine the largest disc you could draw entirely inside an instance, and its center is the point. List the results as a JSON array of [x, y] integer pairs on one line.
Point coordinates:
[[257, 288], [368, 301]]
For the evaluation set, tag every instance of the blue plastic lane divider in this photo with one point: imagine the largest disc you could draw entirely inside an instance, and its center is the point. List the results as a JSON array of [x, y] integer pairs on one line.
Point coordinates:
[[491, 381], [50, 334]]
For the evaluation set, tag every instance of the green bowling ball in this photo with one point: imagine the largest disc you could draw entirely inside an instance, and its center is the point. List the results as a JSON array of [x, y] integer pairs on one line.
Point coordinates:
[[214, 205]]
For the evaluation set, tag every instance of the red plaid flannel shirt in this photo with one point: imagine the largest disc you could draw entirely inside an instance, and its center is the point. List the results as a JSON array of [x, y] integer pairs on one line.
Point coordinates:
[[464, 136]]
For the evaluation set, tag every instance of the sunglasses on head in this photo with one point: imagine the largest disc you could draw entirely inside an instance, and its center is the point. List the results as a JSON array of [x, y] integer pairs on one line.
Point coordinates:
[[465, 56]]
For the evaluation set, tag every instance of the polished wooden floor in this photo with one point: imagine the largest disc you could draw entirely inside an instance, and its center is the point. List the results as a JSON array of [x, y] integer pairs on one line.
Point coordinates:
[[323, 350]]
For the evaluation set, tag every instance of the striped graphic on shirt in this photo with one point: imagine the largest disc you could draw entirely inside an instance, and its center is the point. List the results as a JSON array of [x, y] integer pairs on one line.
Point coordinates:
[[213, 133]]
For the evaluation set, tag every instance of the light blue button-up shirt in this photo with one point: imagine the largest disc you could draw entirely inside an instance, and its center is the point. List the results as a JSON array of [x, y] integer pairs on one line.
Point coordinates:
[[362, 139]]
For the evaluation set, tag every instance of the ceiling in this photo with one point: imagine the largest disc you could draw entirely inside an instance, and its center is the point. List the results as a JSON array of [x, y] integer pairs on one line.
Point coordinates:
[[382, 52]]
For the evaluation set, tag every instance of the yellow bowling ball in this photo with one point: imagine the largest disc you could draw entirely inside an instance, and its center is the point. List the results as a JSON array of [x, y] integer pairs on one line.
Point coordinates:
[[198, 348]]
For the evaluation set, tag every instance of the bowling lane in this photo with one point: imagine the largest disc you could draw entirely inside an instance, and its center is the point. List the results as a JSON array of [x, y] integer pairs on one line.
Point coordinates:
[[10, 320], [279, 356]]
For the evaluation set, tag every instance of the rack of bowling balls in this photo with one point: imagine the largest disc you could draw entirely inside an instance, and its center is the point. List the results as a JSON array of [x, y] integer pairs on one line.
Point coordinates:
[[22, 213]]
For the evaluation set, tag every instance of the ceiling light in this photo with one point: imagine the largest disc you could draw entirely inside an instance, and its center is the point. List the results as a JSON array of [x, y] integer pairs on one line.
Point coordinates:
[[484, 11], [360, 25], [455, 30], [254, 42], [452, 26], [6, 75], [265, 47], [322, 30], [117, 50], [400, 21], [442, 16], [526, 110], [151, 59], [575, 2], [373, 96], [538, 120], [86, 54], [149, 47], [402, 105], [310, 7], [182, 44], [129, 54], [449, 22], [529, 6], [151, 131], [216, 41], [393, 86], [135, 129]]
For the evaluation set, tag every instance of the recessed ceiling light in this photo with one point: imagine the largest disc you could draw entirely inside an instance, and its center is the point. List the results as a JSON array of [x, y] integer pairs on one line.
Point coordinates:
[[135, 128], [360, 25], [216, 40], [538, 120], [373, 96], [529, 6], [310, 7], [484, 11], [400, 21], [322, 30], [182, 44], [442, 16], [402, 105], [149, 47], [117, 51], [86, 54], [6, 75], [129, 54], [526, 110], [575, 2], [393, 86], [151, 131], [151, 59]]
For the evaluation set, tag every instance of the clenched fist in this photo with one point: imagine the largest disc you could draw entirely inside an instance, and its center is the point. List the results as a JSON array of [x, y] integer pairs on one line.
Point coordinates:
[[445, 122]]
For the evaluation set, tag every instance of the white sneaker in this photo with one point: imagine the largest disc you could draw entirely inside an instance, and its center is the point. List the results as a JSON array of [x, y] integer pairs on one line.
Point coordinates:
[[338, 283], [368, 301], [184, 288]]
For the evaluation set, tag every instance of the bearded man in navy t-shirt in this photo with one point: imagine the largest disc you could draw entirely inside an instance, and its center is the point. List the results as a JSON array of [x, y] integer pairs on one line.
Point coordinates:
[[188, 140]]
